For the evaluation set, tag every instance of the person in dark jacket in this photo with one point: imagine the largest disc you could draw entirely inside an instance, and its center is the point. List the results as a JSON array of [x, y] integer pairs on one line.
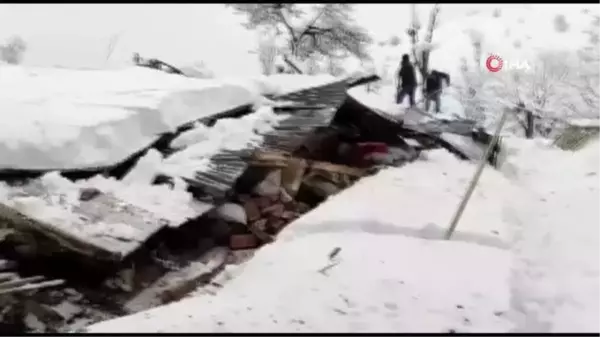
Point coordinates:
[[137, 59], [433, 88], [407, 81]]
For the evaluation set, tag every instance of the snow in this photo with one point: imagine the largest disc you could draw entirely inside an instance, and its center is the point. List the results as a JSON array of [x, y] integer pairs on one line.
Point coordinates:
[[389, 278], [371, 292], [128, 108], [524, 257], [71, 119], [174, 204], [384, 100], [531, 25], [280, 84], [145, 170], [227, 134], [465, 144], [440, 179], [232, 212], [584, 122], [517, 262], [557, 237], [60, 196]]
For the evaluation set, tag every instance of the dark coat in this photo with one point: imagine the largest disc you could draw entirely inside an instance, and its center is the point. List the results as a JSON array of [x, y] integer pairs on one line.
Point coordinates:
[[434, 81], [407, 76]]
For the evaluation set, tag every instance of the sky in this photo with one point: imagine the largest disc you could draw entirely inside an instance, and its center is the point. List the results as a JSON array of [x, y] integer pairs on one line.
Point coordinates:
[[78, 35]]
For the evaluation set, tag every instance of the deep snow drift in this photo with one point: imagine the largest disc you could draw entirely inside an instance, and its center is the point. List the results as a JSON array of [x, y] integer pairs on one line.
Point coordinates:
[[388, 279], [557, 237], [86, 119], [78, 119], [520, 261], [69, 119]]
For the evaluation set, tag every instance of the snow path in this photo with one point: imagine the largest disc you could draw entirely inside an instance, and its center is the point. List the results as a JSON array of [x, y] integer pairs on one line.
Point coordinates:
[[555, 281]]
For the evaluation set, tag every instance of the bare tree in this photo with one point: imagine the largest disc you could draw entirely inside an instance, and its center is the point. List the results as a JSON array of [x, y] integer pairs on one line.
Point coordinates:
[[324, 29], [12, 51], [267, 53], [333, 67], [589, 77], [544, 90], [477, 40], [198, 69], [560, 23], [540, 94], [112, 44], [312, 65], [422, 49]]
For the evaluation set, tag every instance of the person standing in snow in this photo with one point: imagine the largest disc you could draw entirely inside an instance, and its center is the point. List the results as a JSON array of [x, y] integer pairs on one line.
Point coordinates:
[[433, 88], [407, 81], [137, 59]]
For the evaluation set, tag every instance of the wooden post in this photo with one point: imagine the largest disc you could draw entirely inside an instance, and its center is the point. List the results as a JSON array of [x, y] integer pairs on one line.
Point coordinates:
[[475, 179]]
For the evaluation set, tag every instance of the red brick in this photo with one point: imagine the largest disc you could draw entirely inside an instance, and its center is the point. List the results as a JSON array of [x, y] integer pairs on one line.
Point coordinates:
[[274, 210], [252, 210], [243, 241]]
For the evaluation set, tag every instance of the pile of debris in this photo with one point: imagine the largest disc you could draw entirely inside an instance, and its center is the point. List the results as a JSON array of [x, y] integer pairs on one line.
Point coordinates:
[[324, 142], [292, 186]]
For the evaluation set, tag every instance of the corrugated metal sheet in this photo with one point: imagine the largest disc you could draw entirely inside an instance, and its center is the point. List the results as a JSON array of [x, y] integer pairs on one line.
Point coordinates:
[[211, 186], [378, 126], [331, 95], [288, 135]]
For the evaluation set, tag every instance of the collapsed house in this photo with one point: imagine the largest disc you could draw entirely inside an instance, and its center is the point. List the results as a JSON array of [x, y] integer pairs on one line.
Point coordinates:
[[105, 255]]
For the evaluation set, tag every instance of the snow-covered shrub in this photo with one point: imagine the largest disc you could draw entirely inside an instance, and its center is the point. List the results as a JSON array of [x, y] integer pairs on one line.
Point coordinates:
[[12, 51], [266, 57], [394, 41], [560, 23], [325, 29]]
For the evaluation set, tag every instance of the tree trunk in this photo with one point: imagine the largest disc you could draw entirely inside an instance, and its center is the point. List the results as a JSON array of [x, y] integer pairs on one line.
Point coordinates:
[[529, 130]]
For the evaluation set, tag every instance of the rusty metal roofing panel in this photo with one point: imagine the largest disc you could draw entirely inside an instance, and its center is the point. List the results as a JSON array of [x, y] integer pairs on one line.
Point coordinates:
[[288, 135], [316, 107]]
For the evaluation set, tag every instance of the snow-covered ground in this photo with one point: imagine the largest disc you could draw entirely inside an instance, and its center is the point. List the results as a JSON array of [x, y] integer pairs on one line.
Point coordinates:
[[388, 277], [556, 248], [524, 258]]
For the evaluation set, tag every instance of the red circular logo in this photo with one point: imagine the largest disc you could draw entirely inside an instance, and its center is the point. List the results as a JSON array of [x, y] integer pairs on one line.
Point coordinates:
[[494, 63]]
